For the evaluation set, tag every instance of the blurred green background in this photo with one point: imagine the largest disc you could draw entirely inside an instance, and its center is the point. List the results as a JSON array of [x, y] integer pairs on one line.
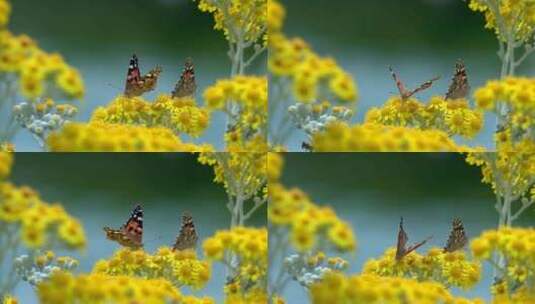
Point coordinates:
[[419, 38], [99, 37], [372, 191], [101, 189]]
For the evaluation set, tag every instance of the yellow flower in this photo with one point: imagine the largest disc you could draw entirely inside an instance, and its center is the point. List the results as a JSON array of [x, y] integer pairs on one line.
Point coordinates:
[[373, 137], [99, 136], [72, 233], [10, 299], [64, 287], [5, 11], [70, 81], [6, 160]]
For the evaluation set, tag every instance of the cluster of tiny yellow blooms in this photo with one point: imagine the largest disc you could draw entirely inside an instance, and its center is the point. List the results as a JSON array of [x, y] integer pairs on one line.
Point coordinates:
[[373, 289], [240, 173], [342, 137], [308, 222], [106, 137], [7, 147], [6, 161], [309, 72], [516, 16], [64, 287], [517, 246], [5, 11], [50, 257], [10, 300], [238, 19], [448, 268], [519, 95], [178, 267], [509, 172], [38, 220], [275, 163], [451, 116], [250, 93], [250, 247], [178, 114], [21, 56]]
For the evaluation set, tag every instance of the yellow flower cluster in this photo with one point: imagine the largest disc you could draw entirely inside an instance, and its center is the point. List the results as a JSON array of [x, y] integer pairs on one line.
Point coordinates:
[[238, 19], [40, 73], [178, 114], [310, 73], [39, 220], [517, 246], [275, 163], [448, 268], [509, 172], [517, 93], [7, 147], [373, 289], [178, 267], [275, 16], [342, 137], [6, 160], [242, 174], [249, 246], [308, 222], [5, 11], [504, 16], [100, 136], [9, 299], [451, 116], [64, 287], [249, 93]]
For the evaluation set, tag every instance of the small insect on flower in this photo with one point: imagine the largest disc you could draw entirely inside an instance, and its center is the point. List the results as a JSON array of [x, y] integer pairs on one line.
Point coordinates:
[[457, 239], [186, 85], [187, 238], [406, 94], [402, 249], [137, 85], [130, 234], [459, 87]]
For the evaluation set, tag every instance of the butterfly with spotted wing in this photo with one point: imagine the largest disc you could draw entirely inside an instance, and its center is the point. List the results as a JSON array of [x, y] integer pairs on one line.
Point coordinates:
[[187, 237], [457, 239], [137, 85], [459, 87], [131, 233], [186, 85]]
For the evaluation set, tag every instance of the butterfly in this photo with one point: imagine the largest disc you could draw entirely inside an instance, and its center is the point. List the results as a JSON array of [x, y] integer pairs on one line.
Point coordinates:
[[459, 87], [186, 85], [406, 94], [136, 84], [402, 249], [457, 239], [187, 238], [130, 234]]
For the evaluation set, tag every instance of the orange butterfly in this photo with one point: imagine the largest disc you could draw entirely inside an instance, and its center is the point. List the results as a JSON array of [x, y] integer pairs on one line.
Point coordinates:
[[130, 234]]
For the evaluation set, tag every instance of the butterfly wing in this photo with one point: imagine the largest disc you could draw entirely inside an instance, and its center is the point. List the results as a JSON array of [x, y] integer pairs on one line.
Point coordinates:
[[457, 239], [424, 86], [402, 249], [187, 238], [149, 81], [131, 233], [459, 87], [133, 77], [186, 85], [402, 242], [401, 87]]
